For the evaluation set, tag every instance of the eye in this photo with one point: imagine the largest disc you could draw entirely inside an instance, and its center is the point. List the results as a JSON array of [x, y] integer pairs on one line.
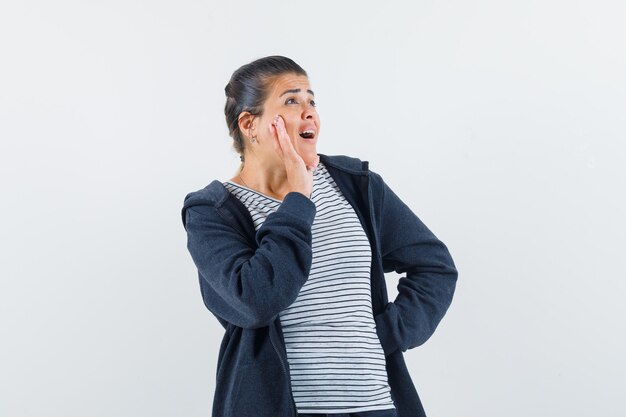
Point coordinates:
[[292, 100]]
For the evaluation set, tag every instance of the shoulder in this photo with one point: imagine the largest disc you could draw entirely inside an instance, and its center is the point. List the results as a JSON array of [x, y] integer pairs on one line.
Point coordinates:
[[213, 194], [204, 200]]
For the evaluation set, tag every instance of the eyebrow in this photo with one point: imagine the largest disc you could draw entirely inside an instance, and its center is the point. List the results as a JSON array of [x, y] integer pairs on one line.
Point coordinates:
[[296, 90]]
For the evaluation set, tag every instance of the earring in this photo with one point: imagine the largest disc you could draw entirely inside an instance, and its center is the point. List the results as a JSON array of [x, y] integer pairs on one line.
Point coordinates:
[[253, 139]]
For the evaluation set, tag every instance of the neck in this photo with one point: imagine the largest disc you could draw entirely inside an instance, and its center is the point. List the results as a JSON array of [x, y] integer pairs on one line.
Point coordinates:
[[270, 181]]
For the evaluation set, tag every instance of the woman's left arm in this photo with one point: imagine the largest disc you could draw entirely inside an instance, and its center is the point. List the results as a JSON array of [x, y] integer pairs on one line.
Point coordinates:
[[425, 293]]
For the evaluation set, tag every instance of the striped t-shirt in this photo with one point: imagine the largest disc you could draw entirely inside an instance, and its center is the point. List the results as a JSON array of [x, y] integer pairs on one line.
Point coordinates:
[[336, 362]]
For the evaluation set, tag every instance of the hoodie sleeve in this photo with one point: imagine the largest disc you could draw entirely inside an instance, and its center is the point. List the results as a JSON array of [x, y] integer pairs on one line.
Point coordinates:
[[249, 286], [425, 292]]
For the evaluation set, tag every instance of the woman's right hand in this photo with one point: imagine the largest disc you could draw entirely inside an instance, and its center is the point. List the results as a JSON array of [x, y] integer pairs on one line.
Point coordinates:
[[299, 175]]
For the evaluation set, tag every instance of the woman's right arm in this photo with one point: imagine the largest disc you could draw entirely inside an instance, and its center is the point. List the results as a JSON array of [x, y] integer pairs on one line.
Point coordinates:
[[249, 286]]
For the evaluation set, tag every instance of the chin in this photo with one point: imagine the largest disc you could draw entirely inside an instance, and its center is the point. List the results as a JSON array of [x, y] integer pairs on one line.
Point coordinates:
[[309, 157]]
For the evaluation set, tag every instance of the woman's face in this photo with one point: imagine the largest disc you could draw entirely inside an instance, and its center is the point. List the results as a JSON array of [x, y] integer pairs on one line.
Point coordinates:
[[290, 96]]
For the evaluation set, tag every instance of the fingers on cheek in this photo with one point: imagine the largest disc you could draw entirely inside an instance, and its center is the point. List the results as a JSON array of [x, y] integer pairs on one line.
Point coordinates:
[[274, 129]]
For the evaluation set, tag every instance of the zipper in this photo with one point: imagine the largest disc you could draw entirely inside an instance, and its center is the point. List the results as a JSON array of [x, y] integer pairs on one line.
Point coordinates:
[[282, 364]]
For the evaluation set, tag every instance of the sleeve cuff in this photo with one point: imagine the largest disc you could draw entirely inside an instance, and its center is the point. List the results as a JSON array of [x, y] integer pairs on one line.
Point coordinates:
[[299, 205], [385, 328]]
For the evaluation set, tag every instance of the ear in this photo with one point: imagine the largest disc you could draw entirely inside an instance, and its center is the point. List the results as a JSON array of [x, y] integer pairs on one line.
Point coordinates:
[[245, 123]]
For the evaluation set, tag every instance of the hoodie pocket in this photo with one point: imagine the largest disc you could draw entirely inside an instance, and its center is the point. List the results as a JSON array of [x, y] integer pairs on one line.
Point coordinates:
[[260, 390]]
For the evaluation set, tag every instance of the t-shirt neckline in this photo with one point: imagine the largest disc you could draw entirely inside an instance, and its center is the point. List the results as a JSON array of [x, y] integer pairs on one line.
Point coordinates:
[[254, 191]]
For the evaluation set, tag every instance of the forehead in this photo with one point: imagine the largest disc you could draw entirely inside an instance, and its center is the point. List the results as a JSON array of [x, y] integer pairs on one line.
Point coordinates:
[[289, 82]]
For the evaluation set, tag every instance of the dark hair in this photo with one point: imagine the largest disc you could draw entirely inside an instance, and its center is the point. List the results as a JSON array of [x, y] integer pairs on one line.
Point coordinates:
[[248, 88]]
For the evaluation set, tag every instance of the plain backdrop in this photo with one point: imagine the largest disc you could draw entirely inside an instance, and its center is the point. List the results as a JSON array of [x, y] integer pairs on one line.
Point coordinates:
[[502, 124]]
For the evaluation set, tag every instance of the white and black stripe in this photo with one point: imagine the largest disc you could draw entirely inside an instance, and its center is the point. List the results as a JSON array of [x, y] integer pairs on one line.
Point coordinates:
[[336, 361]]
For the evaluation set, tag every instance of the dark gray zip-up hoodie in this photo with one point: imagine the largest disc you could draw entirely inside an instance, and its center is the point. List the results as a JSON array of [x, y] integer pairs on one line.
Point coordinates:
[[247, 277]]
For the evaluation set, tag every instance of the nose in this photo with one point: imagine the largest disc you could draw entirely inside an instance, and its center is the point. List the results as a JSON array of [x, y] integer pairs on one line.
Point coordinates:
[[308, 113]]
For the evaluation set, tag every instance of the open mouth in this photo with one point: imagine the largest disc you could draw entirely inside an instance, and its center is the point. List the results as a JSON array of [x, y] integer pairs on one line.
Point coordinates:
[[307, 134]]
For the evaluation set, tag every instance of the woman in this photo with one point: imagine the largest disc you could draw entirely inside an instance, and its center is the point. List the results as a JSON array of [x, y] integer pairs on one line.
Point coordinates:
[[291, 255]]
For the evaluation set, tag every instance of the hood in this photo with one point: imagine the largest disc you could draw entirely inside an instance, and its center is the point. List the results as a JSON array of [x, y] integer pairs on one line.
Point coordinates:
[[215, 194], [346, 163]]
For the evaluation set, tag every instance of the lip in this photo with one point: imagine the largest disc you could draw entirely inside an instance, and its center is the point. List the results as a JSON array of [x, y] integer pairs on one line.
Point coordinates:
[[307, 142], [308, 127], [311, 141]]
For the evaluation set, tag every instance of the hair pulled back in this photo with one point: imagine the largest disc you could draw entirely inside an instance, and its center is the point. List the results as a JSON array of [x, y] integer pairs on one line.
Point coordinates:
[[248, 88]]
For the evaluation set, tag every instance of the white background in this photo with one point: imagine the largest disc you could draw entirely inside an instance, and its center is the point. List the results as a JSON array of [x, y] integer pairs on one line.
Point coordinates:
[[501, 123]]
